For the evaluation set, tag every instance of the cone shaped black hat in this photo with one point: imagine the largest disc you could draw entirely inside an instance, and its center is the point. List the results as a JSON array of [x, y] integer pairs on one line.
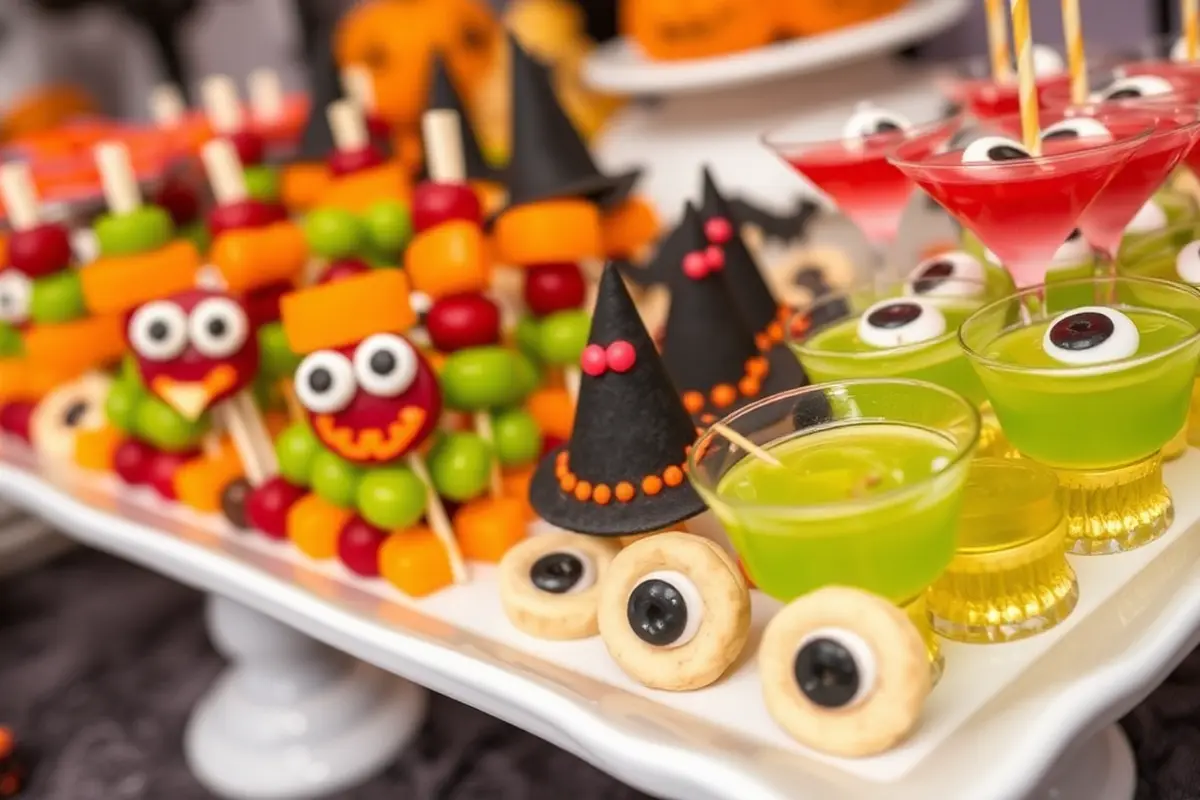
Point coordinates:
[[549, 157], [443, 95], [663, 268], [325, 87], [750, 291], [709, 349], [631, 437]]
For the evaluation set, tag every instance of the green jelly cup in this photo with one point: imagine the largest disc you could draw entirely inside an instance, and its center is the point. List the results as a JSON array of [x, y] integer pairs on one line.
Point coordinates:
[[825, 523], [1101, 427]]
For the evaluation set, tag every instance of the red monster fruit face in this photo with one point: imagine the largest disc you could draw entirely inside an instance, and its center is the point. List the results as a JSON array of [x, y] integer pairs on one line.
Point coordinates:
[[194, 349], [371, 403]]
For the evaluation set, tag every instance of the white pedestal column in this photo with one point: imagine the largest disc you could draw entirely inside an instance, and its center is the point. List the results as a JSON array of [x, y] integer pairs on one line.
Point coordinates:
[[292, 719], [1100, 768]]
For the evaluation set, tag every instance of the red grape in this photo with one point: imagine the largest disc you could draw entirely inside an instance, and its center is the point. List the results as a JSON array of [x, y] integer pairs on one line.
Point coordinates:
[[268, 506], [251, 148], [162, 471], [41, 250], [378, 128], [15, 418], [435, 203], [262, 304], [246, 214], [554, 287], [180, 201], [131, 461], [348, 162], [343, 268], [358, 546], [461, 321]]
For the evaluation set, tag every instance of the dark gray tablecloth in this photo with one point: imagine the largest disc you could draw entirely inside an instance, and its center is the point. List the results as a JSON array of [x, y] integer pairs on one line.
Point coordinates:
[[100, 663]]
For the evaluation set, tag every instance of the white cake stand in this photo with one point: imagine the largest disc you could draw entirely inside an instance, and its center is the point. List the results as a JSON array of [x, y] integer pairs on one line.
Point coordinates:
[[714, 110]]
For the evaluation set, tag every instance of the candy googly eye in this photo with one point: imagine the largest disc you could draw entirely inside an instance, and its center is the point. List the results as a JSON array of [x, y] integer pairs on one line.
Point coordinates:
[[955, 274], [895, 323], [218, 327], [867, 120], [385, 365], [550, 584], [1077, 128], [1073, 252], [1047, 62], [844, 672], [1187, 263], [1149, 218], [994, 149], [325, 382], [1091, 335], [674, 611], [16, 294], [1135, 86], [158, 331]]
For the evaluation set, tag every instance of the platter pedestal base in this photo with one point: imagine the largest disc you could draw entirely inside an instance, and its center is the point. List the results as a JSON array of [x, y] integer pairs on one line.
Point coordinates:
[[1100, 768], [291, 719]]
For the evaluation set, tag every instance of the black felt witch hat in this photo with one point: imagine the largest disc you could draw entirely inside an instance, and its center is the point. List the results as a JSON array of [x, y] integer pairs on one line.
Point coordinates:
[[325, 87], [750, 291], [549, 157], [444, 96], [709, 348], [621, 473]]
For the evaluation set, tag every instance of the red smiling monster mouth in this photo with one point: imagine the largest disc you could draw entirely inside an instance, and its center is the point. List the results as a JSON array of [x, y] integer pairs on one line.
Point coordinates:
[[372, 444]]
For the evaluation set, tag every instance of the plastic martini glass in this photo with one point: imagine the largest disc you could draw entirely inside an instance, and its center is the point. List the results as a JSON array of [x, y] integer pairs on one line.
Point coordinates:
[[1022, 208], [853, 171], [970, 84], [865, 491], [1055, 369]]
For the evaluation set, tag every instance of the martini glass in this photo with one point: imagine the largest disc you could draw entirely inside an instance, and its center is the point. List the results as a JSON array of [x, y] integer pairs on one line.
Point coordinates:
[[970, 85], [1122, 80], [1056, 369], [1022, 208], [853, 172]]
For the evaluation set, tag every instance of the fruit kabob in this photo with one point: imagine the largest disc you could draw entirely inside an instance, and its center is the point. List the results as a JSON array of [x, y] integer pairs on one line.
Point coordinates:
[[448, 263], [228, 120], [363, 218], [359, 85], [354, 479]]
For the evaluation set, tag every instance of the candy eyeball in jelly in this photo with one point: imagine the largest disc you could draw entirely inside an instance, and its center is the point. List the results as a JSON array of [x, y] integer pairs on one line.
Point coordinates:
[[1135, 86], [158, 331], [1077, 128], [895, 323], [994, 149], [1091, 335], [1187, 263], [218, 327], [16, 294], [954, 274], [868, 120], [325, 382], [1047, 62], [1149, 218], [385, 365], [1073, 252]]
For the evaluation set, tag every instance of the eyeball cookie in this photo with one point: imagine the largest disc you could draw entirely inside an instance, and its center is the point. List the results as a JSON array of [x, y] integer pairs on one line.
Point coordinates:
[[674, 611], [844, 672], [61, 415], [550, 585]]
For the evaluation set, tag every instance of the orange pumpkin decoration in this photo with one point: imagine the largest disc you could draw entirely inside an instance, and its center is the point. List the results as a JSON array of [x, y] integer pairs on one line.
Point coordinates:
[[671, 30], [814, 17], [397, 39]]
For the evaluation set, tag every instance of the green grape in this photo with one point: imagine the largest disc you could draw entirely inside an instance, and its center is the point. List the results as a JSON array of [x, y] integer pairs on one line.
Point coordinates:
[[197, 234], [527, 376], [122, 403], [564, 335], [130, 371], [296, 450], [278, 360], [57, 298], [334, 233], [165, 428], [263, 183], [334, 480], [389, 227], [479, 378], [142, 230], [518, 437], [529, 337], [10, 342], [391, 498], [460, 466]]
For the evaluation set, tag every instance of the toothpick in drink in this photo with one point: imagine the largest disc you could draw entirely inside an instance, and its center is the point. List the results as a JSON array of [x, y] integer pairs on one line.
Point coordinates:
[[747, 445]]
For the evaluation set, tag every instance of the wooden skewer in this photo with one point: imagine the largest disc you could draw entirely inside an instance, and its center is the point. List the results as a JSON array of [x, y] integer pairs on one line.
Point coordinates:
[[747, 445], [240, 417], [347, 125], [443, 146], [224, 171], [20, 196], [167, 106], [439, 520], [221, 104], [359, 86], [117, 178], [266, 94], [483, 426]]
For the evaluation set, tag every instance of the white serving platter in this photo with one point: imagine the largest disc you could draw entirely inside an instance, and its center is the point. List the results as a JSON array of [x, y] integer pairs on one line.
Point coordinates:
[[997, 722]]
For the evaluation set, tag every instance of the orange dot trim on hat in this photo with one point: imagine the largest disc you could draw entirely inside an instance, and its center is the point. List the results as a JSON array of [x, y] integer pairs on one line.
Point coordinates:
[[723, 395], [624, 492]]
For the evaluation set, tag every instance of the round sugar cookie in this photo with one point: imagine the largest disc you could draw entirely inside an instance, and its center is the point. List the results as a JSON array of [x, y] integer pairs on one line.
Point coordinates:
[[550, 585]]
